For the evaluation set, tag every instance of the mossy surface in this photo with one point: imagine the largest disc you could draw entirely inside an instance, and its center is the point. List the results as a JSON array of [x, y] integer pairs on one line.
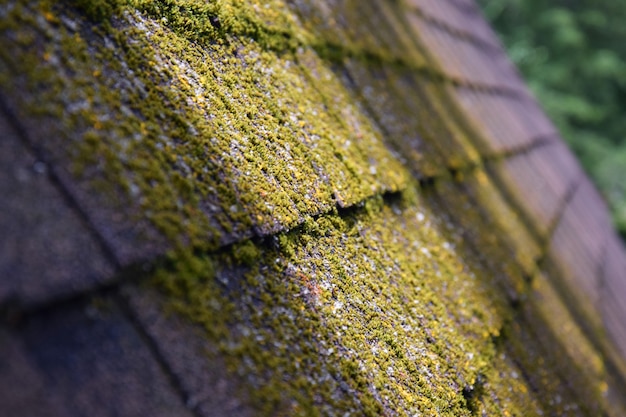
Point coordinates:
[[369, 312], [212, 136], [281, 136]]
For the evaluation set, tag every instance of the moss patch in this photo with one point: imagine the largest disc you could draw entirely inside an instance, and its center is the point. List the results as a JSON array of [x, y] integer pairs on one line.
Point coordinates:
[[370, 312], [228, 123], [210, 135]]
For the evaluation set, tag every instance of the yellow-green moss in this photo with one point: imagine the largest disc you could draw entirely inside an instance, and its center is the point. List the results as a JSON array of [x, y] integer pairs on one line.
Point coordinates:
[[210, 135], [198, 112], [369, 313], [218, 121]]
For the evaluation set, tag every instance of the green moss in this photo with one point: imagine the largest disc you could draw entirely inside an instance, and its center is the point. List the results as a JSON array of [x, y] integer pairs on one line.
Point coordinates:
[[218, 121], [246, 253], [268, 23], [207, 148], [98, 10], [365, 312]]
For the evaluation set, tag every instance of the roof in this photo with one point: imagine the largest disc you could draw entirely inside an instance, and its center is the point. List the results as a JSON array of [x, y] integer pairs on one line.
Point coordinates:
[[294, 207]]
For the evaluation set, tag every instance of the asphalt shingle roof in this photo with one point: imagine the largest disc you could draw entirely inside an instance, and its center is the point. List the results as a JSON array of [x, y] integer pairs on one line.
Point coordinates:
[[294, 207]]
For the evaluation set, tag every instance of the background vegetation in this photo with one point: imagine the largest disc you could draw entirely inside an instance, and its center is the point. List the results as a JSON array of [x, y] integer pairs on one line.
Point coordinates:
[[573, 56]]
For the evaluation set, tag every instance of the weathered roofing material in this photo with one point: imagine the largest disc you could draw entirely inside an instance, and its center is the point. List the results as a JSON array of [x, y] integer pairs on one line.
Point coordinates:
[[58, 254], [301, 207]]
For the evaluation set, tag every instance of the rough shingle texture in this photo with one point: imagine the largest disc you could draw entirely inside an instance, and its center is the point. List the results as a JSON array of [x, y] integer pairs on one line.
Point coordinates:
[[294, 207]]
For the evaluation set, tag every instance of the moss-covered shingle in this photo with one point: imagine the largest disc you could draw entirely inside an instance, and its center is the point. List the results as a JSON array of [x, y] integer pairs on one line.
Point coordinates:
[[309, 193]]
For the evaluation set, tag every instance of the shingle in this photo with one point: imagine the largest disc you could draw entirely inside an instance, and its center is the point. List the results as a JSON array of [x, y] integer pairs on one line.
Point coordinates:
[[92, 360], [186, 159], [433, 113], [459, 202], [576, 252], [388, 25], [512, 228], [494, 129], [545, 336], [612, 298], [469, 6], [312, 298], [411, 115], [360, 27], [465, 22], [464, 61], [210, 389], [235, 136], [504, 123], [538, 181], [532, 117], [47, 250]]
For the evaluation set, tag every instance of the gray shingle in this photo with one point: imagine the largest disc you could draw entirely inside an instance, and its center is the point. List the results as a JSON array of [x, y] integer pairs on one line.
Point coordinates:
[[48, 251], [90, 358]]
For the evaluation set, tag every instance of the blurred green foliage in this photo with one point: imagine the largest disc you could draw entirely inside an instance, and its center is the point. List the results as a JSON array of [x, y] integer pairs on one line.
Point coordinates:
[[572, 54]]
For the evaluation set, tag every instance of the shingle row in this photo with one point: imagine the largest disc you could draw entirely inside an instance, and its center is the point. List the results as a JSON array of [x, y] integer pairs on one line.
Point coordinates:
[[505, 123], [86, 358], [173, 145], [539, 182], [577, 250], [458, 20], [466, 62]]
